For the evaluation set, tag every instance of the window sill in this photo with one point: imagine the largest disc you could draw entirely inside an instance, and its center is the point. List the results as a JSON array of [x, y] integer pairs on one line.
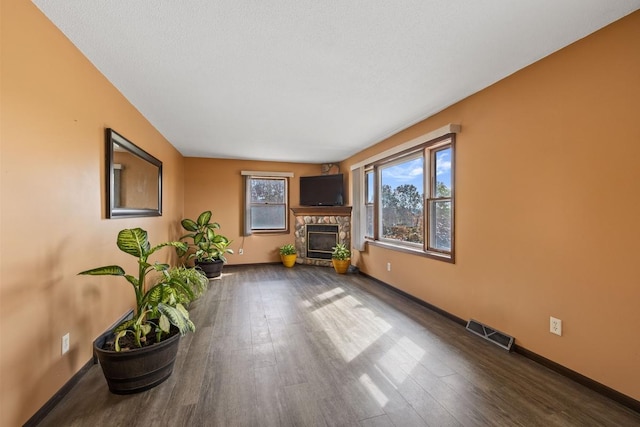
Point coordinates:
[[261, 232], [418, 252]]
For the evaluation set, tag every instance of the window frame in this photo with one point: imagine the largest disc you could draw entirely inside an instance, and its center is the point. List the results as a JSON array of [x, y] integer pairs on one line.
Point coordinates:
[[394, 161], [432, 197], [250, 204], [428, 151], [370, 204]]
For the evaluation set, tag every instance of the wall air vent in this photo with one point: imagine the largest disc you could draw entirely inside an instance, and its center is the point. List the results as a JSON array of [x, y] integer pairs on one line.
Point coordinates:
[[490, 334]]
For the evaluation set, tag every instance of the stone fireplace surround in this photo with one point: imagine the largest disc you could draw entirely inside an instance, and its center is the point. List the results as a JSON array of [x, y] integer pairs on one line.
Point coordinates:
[[334, 215]]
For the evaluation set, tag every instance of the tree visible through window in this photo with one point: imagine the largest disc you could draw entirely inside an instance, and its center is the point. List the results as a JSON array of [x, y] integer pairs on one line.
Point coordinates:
[[407, 192], [402, 200], [268, 203]]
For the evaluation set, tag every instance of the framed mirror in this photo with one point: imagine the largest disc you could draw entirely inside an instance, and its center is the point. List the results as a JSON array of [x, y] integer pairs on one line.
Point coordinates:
[[134, 179]]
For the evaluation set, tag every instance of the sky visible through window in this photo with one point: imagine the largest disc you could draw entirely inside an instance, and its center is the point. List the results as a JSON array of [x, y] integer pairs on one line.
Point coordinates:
[[411, 172]]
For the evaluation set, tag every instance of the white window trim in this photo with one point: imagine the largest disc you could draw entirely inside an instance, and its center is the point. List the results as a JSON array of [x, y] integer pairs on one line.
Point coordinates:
[[444, 130], [266, 173]]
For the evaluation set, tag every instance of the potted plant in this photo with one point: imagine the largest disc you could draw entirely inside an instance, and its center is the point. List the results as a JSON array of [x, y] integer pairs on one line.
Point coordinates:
[[288, 255], [140, 352], [341, 258], [209, 247]]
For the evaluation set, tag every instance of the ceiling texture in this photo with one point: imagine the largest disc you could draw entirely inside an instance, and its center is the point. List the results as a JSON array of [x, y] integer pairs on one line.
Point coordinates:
[[311, 80]]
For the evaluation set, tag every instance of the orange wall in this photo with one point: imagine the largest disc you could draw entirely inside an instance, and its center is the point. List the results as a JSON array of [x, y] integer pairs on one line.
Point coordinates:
[[547, 208], [55, 106], [216, 185]]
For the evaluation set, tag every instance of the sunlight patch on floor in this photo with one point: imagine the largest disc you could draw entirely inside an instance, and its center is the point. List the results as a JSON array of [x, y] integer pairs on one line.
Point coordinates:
[[322, 297], [390, 360], [412, 348], [373, 390], [326, 295], [350, 339]]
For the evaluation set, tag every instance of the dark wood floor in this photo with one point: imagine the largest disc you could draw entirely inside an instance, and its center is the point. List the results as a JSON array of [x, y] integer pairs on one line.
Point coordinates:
[[307, 347]]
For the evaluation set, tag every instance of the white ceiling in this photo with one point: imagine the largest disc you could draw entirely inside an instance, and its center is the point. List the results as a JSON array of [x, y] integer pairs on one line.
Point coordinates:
[[312, 80]]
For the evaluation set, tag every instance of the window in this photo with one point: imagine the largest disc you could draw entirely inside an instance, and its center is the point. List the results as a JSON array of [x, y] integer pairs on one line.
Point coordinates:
[[369, 202], [440, 201], [407, 190], [267, 204], [401, 200]]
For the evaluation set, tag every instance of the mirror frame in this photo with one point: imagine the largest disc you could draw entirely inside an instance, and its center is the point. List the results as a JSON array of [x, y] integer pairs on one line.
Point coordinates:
[[113, 137]]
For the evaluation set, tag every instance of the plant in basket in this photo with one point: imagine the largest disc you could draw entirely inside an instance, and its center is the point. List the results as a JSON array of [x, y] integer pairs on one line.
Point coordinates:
[[158, 316]]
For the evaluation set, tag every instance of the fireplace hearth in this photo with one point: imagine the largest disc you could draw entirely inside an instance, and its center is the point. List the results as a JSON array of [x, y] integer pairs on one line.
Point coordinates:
[[318, 229]]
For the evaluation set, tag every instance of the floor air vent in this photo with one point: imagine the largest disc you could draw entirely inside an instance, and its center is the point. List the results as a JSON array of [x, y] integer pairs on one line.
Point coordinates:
[[490, 334]]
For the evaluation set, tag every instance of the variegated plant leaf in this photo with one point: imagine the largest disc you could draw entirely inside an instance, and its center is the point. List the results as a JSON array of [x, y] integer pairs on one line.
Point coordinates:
[[189, 225], [177, 318], [145, 328], [108, 270], [118, 336], [127, 324], [132, 280], [180, 246], [133, 241], [160, 267], [164, 324], [204, 218], [182, 310]]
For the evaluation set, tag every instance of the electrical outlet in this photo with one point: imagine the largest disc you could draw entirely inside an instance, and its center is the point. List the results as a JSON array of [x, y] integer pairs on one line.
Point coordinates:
[[65, 343], [240, 251], [555, 326], [388, 266]]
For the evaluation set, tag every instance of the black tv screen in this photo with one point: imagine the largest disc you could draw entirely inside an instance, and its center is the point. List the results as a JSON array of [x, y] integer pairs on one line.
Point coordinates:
[[323, 190]]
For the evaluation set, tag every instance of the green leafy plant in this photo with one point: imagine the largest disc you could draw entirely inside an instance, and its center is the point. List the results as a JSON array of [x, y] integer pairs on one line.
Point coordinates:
[[208, 244], [193, 278], [159, 306], [288, 249], [341, 252]]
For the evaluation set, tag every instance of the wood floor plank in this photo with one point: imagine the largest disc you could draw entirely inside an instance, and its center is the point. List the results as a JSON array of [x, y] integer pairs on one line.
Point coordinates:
[[290, 360], [379, 421], [271, 404], [193, 364], [406, 417], [304, 408], [337, 412], [264, 355], [230, 398], [305, 346]]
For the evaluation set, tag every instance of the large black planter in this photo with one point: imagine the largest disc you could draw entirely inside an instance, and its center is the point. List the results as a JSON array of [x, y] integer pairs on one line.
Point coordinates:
[[211, 269], [140, 369]]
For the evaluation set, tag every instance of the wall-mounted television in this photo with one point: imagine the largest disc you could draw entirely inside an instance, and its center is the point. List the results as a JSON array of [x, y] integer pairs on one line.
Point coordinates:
[[322, 190]]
